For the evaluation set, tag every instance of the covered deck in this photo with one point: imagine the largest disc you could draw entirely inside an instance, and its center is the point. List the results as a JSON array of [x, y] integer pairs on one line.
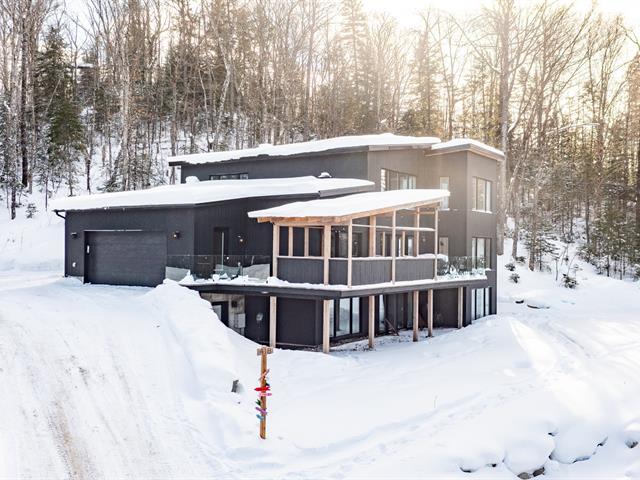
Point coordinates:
[[399, 248]]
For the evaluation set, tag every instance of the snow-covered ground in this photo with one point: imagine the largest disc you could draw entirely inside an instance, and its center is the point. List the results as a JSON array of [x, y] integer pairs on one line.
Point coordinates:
[[112, 382]]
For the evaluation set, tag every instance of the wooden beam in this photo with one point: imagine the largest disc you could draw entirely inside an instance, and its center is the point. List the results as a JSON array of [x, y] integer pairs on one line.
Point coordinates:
[[275, 249], [435, 247], [372, 316], [349, 254], [430, 313], [384, 244], [416, 234], [306, 241], [460, 306], [403, 244], [273, 308], [326, 252], [326, 334], [394, 247], [290, 242], [416, 315], [372, 236]]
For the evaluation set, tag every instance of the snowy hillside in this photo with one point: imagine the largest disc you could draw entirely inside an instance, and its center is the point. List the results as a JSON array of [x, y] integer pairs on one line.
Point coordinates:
[[112, 382]]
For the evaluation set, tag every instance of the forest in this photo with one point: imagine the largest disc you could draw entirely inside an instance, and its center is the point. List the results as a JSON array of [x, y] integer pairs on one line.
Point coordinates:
[[98, 98]]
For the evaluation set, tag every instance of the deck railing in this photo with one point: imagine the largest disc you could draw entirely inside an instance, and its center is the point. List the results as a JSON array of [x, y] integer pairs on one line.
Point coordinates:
[[225, 266]]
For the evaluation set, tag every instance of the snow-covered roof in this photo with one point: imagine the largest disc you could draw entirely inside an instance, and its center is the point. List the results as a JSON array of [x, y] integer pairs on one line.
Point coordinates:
[[463, 143], [372, 142], [359, 204], [192, 193]]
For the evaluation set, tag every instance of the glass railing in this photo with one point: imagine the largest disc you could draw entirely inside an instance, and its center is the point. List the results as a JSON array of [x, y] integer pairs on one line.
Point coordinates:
[[221, 266], [461, 266]]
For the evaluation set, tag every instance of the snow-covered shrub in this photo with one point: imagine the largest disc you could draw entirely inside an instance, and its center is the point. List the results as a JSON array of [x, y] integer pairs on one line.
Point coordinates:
[[568, 281], [514, 277], [520, 259], [31, 210], [510, 266]]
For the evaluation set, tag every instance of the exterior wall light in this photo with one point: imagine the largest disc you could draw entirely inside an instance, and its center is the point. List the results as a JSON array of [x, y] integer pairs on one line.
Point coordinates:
[[74, 234], [176, 234]]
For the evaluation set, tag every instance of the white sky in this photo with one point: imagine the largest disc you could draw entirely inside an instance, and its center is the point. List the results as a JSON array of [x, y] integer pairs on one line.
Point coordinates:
[[405, 11]]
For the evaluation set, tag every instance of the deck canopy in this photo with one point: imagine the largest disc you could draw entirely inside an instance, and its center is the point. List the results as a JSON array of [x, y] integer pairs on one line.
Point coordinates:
[[210, 191], [342, 210]]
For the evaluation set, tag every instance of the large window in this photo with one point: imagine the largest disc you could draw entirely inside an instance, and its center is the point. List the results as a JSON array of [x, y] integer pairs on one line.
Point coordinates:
[[229, 176], [480, 302], [444, 185], [481, 194], [392, 180], [344, 317], [481, 252]]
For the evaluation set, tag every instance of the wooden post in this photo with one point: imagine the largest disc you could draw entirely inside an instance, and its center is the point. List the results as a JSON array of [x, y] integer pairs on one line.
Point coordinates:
[[372, 316], [435, 246], [263, 352], [372, 236], [349, 253], [290, 242], [306, 241], [403, 244], [326, 333], [275, 249], [430, 313], [416, 315], [326, 252], [416, 235], [394, 247], [384, 244], [273, 308], [460, 298]]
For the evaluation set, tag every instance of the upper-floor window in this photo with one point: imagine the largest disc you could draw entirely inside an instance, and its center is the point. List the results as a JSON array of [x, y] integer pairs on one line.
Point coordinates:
[[392, 180], [229, 176], [481, 194], [444, 185]]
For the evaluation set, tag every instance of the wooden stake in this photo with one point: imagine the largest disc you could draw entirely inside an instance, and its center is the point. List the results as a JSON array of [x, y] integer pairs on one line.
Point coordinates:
[[263, 352]]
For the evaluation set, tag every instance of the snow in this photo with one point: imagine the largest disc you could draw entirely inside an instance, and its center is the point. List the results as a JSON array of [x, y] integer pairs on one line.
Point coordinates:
[[123, 382], [194, 192], [267, 150], [465, 143], [359, 203]]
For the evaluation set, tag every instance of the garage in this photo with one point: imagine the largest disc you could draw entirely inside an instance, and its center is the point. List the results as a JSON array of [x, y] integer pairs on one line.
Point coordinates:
[[129, 257]]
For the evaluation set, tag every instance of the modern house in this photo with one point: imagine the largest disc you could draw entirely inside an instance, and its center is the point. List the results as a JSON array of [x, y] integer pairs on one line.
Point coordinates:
[[312, 243]]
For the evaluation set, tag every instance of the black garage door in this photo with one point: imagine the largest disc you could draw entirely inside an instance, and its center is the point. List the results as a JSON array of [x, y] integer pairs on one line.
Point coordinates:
[[125, 258]]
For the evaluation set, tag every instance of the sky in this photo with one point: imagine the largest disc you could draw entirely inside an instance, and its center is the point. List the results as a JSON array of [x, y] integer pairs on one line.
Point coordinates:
[[405, 10]]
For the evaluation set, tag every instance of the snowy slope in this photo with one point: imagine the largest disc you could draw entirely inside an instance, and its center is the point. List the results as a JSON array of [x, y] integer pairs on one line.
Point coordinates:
[[111, 382]]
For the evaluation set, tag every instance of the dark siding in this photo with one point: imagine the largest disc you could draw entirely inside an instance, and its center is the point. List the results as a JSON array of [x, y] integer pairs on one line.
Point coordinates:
[[257, 331], [296, 322], [345, 165]]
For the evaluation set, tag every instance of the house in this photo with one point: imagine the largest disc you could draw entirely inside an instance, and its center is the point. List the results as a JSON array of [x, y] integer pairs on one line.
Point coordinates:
[[409, 221]]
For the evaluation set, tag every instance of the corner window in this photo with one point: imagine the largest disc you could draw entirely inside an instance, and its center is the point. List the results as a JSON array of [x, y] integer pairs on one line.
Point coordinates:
[[391, 180], [481, 252], [444, 185], [481, 194], [480, 302]]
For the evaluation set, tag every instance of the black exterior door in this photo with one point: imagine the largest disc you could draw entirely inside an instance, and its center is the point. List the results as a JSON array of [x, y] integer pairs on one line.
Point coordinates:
[[125, 258]]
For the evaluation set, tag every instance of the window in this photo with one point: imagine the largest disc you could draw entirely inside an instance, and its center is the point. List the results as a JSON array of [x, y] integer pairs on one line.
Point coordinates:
[[347, 313], [444, 185], [481, 194], [481, 252], [391, 180], [443, 246], [480, 302], [229, 176]]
